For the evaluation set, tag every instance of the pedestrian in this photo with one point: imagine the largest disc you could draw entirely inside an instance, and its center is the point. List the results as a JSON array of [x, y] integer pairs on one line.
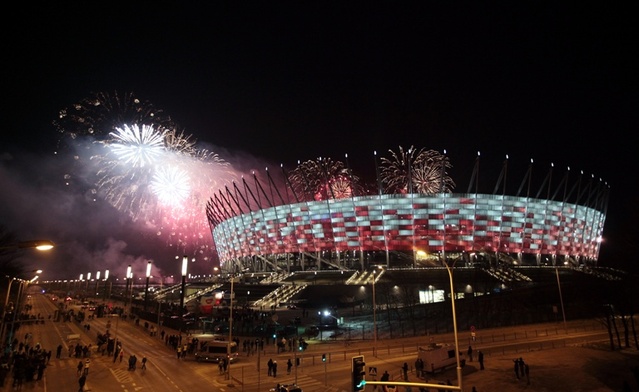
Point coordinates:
[[516, 361], [121, 355], [143, 363], [41, 368], [521, 366], [405, 371], [86, 367], [81, 381], [474, 389], [470, 353], [80, 367], [480, 358], [58, 352], [270, 366], [289, 366], [274, 368]]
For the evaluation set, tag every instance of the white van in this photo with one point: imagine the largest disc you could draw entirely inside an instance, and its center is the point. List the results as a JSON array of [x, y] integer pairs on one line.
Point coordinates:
[[211, 349], [438, 357]]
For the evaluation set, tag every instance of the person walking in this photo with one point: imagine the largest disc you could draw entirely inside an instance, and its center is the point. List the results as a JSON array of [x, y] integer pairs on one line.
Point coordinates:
[[289, 366], [480, 358], [470, 353], [81, 381], [405, 371], [270, 366], [86, 367], [58, 352], [274, 368], [80, 367], [143, 363]]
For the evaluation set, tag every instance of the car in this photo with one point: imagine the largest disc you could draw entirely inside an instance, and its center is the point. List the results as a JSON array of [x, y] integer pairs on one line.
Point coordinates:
[[291, 306]]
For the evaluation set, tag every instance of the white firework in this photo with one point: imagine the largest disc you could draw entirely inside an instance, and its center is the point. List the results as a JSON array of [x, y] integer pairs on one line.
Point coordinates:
[[171, 185], [137, 145]]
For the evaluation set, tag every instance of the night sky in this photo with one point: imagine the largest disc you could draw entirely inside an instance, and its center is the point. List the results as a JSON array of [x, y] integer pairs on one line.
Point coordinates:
[[279, 82]]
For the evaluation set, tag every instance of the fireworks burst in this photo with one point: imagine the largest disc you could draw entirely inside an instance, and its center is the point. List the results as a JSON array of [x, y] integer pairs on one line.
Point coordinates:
[[420, 171], [141, 164], [171, 185], [323, 179], [137, 145]]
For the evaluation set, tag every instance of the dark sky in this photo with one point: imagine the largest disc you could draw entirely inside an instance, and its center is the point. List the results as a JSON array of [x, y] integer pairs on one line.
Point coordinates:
[[286, 81]]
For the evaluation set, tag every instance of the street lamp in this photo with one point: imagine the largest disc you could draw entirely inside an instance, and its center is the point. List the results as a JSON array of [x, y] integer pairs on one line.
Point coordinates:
[[228, 346], [375, 314], [126, 286], [561, 299], [146, 289], [22, 283], [6, 301], [185, 263], [97, 282], [452, 304], [106, 279], [35, 244]]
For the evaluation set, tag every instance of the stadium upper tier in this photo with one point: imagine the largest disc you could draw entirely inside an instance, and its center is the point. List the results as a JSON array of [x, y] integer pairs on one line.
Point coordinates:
[[419, 226]]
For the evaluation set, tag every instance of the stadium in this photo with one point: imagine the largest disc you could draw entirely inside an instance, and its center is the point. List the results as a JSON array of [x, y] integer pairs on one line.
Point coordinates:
[[334, 223], [318, 225]]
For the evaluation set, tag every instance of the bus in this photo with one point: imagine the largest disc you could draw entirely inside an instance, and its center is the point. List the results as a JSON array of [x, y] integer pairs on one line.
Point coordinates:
[[213, 348]]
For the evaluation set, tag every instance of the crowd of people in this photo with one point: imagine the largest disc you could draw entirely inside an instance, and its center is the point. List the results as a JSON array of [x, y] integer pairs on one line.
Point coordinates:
[[25, 363]]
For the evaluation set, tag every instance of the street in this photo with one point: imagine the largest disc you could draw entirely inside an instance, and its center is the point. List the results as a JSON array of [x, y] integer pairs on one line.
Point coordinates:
[[165, 372]]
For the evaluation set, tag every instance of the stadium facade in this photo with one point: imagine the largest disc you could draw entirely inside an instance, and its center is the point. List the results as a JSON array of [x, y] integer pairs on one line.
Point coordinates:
[[408, 229]]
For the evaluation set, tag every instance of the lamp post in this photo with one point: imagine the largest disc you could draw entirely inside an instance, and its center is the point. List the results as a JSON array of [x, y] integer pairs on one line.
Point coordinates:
[[126, 286], [561, 299], [185, 263], [16, 308], [452, 305], [375, 312], [41, 245], [107, 296], [97, 282], [228, 346], [6, 304], [35, 244], [146, 289], [374, 318], [88, 280]]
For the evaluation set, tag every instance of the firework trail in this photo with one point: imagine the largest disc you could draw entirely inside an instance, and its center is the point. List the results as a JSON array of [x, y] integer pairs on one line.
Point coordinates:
[[419, 171], [137, 160]]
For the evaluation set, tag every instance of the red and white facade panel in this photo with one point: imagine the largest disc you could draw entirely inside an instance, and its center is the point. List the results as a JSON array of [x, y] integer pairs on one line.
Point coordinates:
[[415, 222]]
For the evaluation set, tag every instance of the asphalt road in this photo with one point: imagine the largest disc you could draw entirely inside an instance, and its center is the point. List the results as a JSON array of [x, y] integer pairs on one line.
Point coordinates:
[[166, 373]]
